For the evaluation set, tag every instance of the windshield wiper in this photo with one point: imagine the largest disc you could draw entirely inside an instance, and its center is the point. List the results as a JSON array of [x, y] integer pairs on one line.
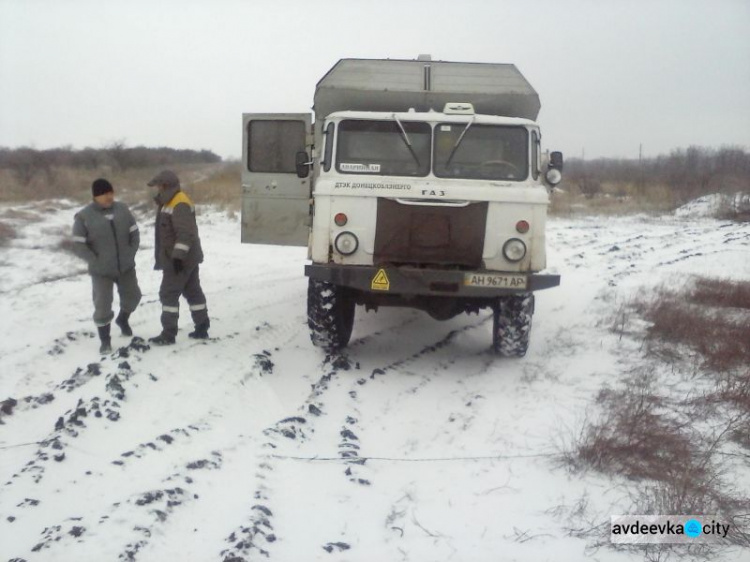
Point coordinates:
[[458, 141], [406, 140]]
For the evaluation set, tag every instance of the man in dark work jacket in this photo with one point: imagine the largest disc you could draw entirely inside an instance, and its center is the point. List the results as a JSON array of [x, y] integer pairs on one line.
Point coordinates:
[[178, 255], [106, 236]]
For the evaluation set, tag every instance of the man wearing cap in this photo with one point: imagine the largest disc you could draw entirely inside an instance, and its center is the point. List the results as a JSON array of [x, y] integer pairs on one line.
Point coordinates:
[[178, 255], [106, 236]]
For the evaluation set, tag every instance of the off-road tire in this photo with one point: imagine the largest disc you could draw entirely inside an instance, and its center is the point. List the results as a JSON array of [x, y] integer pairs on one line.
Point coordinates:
[[330, 314], [511, 326]]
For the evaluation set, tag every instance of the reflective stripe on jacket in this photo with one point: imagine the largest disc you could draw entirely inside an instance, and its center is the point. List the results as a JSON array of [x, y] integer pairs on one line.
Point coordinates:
[[176, 233]]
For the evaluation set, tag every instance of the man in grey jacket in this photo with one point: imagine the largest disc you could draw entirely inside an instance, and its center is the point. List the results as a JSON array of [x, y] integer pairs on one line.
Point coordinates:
[[178, 254], [106, 236]]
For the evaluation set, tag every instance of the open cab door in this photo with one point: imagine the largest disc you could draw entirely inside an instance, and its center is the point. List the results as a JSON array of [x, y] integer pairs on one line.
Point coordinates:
[[275, 200]]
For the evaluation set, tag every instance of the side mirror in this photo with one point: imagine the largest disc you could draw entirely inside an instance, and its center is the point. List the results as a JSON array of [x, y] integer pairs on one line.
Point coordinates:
[[556, 160], [302, 163], [554, 169]]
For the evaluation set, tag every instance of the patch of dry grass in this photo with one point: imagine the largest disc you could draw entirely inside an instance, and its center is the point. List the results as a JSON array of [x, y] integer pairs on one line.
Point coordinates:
[[75, 183], [680, 469], [59, 183], [576, 197], [681, 448], [709, 316], [20, 215], [612, 199], [7, 233], [222, 187]]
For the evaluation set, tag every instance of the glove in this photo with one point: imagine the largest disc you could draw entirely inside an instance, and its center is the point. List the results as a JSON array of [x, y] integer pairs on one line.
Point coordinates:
[[178, 265]]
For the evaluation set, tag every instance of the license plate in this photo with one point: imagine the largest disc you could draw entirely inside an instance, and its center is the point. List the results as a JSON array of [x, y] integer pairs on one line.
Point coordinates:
[[495, 281]]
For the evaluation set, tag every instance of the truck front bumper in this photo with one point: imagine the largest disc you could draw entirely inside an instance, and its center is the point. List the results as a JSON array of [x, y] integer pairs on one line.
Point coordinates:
[[436, 282]]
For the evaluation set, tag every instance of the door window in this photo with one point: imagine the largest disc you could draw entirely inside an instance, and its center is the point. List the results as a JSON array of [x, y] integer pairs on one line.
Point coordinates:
[[272, 145]]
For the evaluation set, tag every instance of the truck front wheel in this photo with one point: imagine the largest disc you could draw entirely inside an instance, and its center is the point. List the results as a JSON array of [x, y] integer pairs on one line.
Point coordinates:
[[330, 314], [511, 326]]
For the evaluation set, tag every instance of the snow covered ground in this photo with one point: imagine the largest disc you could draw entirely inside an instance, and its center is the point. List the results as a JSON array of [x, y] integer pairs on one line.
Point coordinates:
[[415, 444]]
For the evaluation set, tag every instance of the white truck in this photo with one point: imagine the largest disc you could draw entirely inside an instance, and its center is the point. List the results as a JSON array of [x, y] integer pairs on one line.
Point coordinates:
[[420, 184]]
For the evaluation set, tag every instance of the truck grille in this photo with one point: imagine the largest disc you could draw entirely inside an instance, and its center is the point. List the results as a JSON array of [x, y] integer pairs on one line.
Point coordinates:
[[430, 234]]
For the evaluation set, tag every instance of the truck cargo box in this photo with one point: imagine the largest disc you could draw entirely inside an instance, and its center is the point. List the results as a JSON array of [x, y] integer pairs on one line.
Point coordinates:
[[399, 85]]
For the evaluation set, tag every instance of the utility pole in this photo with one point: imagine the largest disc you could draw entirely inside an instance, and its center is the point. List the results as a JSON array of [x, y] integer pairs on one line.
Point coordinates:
[[641, 180]]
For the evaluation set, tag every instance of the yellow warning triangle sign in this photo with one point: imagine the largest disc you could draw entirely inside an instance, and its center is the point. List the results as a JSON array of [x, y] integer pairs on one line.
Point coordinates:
[[380, 282]]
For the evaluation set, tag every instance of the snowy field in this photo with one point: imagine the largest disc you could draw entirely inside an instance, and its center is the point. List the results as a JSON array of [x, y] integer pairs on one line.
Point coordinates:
[[416, 444]]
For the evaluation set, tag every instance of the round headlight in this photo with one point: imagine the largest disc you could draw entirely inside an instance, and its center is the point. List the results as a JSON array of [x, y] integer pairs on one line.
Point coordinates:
[[346, 243], [554, 176], [514, 250]]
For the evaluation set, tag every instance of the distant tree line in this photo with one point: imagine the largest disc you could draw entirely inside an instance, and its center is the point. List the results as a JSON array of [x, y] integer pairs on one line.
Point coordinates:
[[686, 173], [24, 163]]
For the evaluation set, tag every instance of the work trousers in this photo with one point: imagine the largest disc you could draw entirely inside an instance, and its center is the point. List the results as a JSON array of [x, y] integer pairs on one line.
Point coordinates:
[[188, 284], [102, 292]]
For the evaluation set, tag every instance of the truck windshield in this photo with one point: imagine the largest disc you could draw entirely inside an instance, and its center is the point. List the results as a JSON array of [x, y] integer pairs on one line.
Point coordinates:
[[381, 148], [488, 152]]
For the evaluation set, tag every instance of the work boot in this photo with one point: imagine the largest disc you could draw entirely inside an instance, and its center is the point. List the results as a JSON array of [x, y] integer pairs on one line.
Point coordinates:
[[162, 339], [106, 346], [122, 322], [201, 331]]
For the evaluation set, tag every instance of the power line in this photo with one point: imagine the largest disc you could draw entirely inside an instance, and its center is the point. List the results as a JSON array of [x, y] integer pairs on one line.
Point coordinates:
[[22, 445], [423, 459]]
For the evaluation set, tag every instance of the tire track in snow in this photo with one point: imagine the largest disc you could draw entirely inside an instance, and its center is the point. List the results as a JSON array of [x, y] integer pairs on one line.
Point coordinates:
[[115, 378], [301, 430], [626, 254], [257, 535]]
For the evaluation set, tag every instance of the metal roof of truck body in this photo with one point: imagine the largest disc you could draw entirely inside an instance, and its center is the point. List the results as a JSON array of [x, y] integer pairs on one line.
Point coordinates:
[[400, 85]]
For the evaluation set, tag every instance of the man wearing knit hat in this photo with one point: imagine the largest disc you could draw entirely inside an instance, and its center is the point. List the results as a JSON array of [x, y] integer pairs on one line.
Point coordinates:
[[178, 255], [106, 236]]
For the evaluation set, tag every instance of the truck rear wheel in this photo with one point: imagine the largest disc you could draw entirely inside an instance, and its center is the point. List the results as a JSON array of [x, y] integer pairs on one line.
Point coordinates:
[[511, 326], [330, 314]]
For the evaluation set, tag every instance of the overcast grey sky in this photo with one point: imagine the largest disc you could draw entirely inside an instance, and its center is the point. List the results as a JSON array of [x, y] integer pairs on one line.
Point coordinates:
[[610, 74]]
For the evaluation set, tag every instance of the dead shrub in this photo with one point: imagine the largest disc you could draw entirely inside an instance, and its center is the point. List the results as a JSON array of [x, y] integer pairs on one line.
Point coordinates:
[[697, 317], [7, 233], [681, 451], [734, 389], [640, 436], [741, 434], [730, 397], [720, 292], [637, 437], [684, 495], [731, 389], [735, 207]]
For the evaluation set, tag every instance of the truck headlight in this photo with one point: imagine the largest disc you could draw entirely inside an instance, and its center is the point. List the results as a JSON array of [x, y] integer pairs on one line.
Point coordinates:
[[514, 250], [346, 243]]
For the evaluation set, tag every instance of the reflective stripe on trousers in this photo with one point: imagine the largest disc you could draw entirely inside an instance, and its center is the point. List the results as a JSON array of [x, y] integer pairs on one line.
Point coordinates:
[[173, 285]]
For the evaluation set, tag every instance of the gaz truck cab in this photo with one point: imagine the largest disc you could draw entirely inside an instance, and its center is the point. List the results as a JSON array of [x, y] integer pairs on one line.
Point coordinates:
[[420, 184]]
